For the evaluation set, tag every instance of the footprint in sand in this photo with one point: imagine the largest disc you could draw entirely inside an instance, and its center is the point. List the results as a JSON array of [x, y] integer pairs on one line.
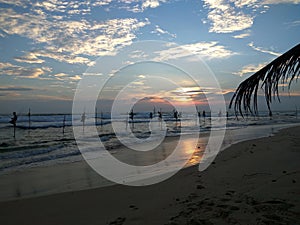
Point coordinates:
[[118, 221], [133, 207]]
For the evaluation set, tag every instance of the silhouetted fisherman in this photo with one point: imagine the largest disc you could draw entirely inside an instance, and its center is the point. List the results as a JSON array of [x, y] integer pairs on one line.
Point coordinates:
[[29, 120], [151, 115], [203, 114], [131, 115], [13, 121], [175, 115], [160, 118], [159, 115], [199, 114]]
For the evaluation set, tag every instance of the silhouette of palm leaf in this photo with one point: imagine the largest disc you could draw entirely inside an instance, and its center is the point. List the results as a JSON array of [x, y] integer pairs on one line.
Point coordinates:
[[282, 70]]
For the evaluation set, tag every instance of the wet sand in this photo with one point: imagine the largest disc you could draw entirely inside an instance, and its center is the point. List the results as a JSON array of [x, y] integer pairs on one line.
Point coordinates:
[[252, 182]]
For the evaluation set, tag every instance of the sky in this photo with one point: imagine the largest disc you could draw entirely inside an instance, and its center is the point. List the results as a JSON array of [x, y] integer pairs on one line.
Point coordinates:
[[48, 47]]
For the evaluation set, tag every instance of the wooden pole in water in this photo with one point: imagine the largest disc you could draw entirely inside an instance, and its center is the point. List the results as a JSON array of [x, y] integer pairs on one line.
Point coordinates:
[[29, 120], [83, 117], [131, 115], [14, 122], [96, 117], [14, 130], [64, 124]]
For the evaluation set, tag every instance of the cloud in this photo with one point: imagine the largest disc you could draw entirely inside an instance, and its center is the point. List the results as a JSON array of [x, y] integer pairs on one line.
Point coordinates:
[[106, 37], [4, 65], [22, 72], [281, 1], [294, 23], [51, 53], [15, 2], [150, 4], [138, 54], [29, 58], [75, 78], [25, 72], [260, 49], [247, 3], [101, 3], [159, 31], [15, 88], [72, 41], [67, 77], [250, 69], [209, 50], [225, 18], [69, 7], [243, 35], [61, 75], [138, 6]]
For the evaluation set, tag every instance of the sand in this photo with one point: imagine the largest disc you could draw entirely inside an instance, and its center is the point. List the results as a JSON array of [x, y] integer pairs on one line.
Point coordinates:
[[252, 182]]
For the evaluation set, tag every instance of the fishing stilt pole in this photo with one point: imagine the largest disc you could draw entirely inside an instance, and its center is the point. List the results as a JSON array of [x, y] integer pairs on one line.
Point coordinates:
[[14, 130], [13, 121], [83, 117], [64, 124], [96, 116], [29, 120]]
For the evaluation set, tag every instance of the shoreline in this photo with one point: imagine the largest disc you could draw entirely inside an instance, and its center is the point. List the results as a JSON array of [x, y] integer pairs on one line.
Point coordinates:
[[247, 183], [77, 176]]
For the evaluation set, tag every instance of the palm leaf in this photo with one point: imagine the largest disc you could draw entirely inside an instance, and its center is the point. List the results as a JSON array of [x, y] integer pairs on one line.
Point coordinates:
[[282, 70]]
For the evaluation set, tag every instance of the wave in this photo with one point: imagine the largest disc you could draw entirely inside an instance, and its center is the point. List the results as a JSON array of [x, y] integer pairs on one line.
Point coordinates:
[[47, 143]]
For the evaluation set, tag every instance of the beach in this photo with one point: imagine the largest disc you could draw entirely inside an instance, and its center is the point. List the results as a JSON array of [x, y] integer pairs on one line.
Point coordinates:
[[251, 182]]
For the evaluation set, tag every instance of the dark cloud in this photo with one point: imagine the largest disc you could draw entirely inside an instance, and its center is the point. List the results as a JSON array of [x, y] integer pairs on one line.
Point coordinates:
[[15, 89]]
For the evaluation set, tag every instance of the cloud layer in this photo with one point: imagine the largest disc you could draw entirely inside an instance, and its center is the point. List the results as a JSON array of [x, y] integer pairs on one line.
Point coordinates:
[[70, 41], [227, 16], [207, 50]]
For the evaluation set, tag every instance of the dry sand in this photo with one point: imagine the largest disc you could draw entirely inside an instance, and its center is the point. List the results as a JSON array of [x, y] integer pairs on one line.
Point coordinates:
[[252, 182]]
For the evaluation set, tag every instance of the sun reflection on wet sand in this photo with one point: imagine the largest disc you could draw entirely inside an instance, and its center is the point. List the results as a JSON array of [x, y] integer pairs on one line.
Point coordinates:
[[197, 151]]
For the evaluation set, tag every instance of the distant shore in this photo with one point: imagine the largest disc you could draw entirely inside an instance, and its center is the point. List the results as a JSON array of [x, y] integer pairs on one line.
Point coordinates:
[[252, 182]]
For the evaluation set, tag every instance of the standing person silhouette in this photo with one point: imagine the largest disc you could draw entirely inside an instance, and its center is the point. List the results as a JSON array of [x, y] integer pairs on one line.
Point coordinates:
[[203, 115], [175, 114], [131, 115], [160, 118], [13, 121], [159, 115]]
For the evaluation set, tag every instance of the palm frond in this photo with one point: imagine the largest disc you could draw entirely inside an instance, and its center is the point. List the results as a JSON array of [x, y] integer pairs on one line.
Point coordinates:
[[282, 70]]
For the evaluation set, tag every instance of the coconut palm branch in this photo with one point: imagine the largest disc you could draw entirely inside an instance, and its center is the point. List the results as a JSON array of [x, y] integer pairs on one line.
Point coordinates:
[[282, 70]]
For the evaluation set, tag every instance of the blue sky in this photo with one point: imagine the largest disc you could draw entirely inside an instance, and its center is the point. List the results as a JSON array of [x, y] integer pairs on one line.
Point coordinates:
[[46, 46]]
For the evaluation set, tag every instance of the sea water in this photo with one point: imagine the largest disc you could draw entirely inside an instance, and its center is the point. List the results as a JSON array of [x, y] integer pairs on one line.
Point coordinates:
[[48, 139]]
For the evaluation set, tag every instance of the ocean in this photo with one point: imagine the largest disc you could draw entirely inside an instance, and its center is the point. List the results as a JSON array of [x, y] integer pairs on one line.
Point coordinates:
[[48, 139]]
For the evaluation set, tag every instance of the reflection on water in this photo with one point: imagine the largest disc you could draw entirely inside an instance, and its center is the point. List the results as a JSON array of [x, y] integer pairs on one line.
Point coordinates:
[[31, 153]]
